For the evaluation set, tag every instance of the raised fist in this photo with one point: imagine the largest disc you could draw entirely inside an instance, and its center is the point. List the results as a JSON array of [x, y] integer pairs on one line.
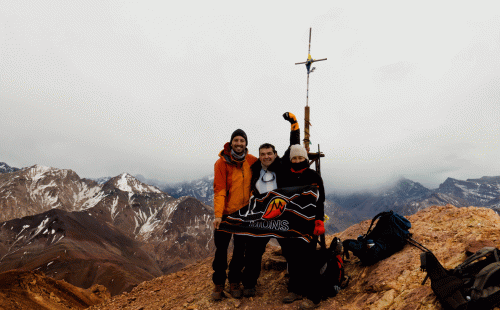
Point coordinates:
[[289, 116]]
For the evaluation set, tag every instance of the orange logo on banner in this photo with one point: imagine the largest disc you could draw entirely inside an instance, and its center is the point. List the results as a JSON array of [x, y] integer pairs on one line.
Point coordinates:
[[274, 209]]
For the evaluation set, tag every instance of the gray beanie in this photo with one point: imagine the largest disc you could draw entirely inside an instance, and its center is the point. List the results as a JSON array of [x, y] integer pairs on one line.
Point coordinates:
[[298, 150]]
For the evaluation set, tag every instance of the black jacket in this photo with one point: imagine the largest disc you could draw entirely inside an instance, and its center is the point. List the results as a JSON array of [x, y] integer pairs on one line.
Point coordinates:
[[307, 177], [279, 166]]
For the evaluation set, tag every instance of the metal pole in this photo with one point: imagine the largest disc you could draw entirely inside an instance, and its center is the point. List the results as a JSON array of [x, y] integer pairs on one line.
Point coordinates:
[[308, 63], [309, 50], [306, 121], [318, 163], [306, 129]]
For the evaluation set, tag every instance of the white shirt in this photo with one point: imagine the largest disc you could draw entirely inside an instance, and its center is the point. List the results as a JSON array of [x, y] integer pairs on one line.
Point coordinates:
[[266, 181]]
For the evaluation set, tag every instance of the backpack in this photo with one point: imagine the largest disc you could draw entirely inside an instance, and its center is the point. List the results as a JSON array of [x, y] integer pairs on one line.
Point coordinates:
[[330, 266], [474, 284], [389, 236]]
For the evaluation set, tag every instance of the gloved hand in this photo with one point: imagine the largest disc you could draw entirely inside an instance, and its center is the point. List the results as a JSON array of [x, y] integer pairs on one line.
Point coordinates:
[[319, 227], [289, 116]]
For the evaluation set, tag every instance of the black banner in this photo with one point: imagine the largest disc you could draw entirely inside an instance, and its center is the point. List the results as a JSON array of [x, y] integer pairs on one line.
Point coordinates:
[[287, 212]]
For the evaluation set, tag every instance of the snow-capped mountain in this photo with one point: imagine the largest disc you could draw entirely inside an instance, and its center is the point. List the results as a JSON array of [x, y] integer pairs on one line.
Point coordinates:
[[36, 189], [408, 197], [477, 192], [177, 230], [127, 183], [201, 189], [4, 168]]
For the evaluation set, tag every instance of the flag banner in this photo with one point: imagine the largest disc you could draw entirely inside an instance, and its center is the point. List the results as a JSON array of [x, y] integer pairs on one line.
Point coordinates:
[[287, 212]]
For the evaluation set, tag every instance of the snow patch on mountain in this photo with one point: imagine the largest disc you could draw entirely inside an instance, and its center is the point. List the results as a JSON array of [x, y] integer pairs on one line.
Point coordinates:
[[147, 222], [84, 192], [128, 183], [91, 202], [114, 208]]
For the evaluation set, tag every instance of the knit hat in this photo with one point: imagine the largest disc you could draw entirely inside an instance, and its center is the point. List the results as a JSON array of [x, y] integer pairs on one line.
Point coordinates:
[[298, 150], [241, 133]]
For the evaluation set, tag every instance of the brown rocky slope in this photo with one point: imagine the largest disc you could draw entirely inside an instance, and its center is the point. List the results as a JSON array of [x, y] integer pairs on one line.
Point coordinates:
[[33, 290], [77, 248], [394, 283]]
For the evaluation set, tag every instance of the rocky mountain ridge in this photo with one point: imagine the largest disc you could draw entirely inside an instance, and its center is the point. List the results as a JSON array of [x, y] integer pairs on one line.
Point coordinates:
[[408, 197], [36, 189], [484, 191], [404, 196], [201, 189], [4, 168]]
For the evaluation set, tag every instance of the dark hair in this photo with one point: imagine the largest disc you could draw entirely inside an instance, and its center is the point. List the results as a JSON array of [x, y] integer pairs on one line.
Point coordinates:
[[267, 146]]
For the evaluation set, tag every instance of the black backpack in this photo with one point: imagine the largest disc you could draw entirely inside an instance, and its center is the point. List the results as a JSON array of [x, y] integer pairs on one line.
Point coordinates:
[[474, 284], [330, 266], [389, 236]]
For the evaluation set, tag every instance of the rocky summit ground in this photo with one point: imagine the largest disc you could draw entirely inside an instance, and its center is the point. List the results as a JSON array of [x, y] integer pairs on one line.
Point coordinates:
[[394, 283], [33, 290]]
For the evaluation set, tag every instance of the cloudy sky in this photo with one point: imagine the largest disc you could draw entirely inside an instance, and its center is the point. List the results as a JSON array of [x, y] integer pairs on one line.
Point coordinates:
[[156, 87]]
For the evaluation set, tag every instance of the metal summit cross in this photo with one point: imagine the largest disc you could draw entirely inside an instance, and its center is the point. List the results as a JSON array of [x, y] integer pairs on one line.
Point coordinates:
[[314, 157]]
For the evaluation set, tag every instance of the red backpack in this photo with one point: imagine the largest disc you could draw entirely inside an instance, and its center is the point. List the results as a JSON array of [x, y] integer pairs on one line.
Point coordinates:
[[330, 266]]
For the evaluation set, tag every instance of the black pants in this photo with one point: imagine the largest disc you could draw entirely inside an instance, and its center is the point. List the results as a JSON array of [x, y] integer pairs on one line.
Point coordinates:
[[300, 256], [245, 263]]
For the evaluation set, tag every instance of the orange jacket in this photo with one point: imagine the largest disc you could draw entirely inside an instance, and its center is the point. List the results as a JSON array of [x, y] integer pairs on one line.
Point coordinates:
[[231, 182]]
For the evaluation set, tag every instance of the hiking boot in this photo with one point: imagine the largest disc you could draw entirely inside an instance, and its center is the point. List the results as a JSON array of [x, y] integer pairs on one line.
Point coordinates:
[[235, 290], [217, 293], [291, 297], [307, 304], [249, 292]]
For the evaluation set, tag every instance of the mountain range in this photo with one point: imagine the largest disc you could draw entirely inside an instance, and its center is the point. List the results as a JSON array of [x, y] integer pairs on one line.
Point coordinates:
[[404, 196], [408, 197], [117, 234], [119, 231]]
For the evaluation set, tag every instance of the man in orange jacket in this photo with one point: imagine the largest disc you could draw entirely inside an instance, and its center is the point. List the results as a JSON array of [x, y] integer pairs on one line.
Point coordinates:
[[232, 177]]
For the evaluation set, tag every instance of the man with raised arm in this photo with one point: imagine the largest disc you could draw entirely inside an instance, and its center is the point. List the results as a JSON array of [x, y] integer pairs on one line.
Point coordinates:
[[267, 175]]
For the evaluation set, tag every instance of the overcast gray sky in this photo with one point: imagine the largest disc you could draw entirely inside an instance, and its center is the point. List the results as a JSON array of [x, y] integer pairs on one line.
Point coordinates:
[[156, 87]]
